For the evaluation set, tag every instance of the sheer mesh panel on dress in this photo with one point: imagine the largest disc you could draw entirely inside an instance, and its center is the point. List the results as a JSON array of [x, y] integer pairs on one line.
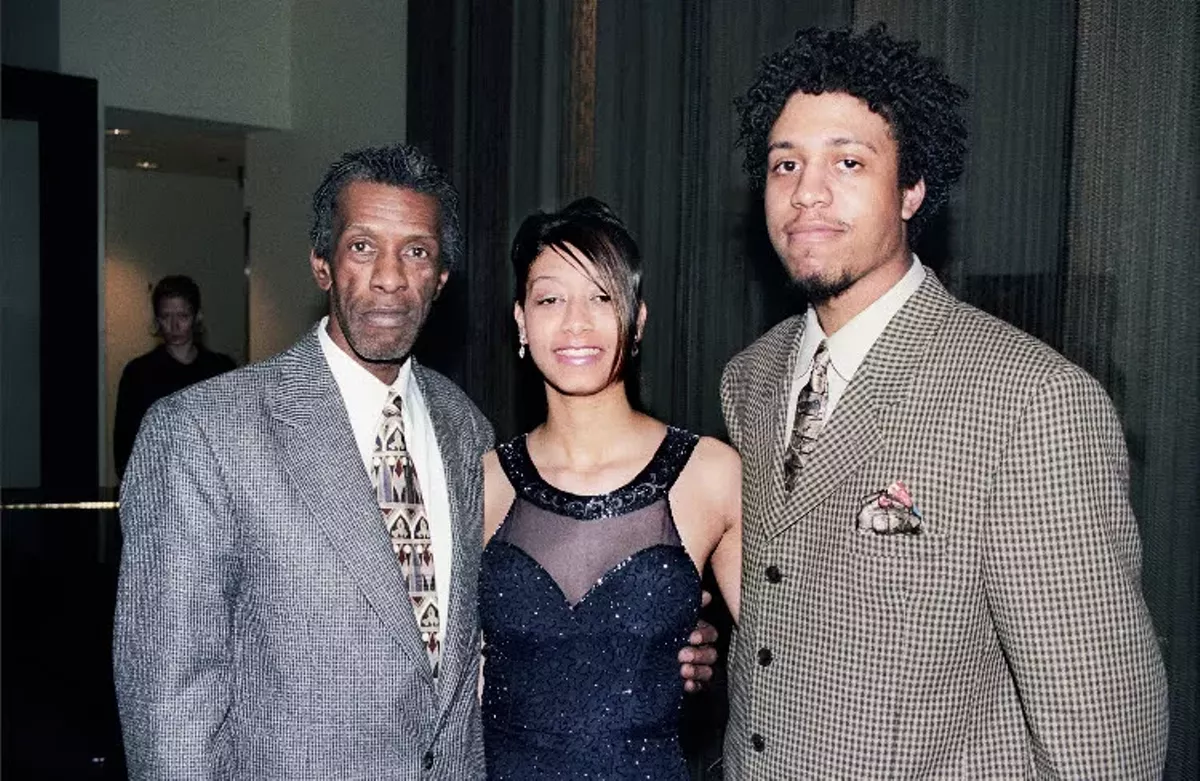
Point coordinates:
[[579, 553]]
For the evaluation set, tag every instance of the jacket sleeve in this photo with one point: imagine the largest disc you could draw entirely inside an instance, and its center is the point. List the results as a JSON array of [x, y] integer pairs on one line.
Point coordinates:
[[729, 381], [1063, 574], [172, 650]]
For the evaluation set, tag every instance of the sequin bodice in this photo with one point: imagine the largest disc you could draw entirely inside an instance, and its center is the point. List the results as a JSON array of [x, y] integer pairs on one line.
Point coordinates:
[[585, 602]]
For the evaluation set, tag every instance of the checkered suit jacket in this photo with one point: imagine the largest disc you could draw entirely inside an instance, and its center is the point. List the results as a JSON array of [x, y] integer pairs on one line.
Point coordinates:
[[262, 628], [1010, 640]]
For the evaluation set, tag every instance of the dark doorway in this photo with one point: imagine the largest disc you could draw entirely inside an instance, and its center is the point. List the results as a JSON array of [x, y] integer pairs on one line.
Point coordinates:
[[65, 111], [59, 533]]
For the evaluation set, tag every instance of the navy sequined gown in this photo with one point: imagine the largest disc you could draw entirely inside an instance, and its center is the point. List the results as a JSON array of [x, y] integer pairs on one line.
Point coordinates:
[[585, 602]]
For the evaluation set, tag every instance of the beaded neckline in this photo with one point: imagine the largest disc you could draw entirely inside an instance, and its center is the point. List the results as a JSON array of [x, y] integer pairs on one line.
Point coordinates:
[[647, 487]]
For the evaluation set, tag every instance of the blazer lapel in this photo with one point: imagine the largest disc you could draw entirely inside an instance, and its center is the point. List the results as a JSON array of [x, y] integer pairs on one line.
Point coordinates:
[[895, 363], [467, 533], [868, 409], [767, 412], [850, 436], [327, 473]]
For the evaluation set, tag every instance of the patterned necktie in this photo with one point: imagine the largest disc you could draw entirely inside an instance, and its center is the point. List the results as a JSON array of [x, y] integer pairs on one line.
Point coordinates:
[[399, 495], [810, 418]]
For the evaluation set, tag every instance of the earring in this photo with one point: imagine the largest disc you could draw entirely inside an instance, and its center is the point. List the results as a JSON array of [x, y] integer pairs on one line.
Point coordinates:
[[521, 349], [633, 353]]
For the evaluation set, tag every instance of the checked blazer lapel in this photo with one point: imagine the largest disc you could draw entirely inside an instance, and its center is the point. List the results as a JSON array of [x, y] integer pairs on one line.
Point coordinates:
[[467, 533], [897, 361], [851, 434], [767, 412], [318, 448], [870, 406]]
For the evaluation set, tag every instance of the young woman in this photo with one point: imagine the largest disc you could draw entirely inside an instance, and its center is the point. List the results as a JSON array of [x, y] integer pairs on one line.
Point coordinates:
[[597, 525], [181, 360]]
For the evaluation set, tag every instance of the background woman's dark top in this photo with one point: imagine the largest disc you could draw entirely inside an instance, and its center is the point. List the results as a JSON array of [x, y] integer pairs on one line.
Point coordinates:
[[147, 379]]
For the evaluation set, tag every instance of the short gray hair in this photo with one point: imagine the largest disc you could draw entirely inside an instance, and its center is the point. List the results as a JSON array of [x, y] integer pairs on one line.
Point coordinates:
[[397, 165]]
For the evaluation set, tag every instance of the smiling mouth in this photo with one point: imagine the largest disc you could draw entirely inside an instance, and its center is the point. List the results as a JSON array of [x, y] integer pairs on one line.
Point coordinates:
[[577, 355]]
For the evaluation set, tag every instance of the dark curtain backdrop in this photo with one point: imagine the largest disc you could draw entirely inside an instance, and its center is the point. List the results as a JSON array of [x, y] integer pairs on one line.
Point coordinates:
[[1000, 244], [1131, 312], [1075, 219]]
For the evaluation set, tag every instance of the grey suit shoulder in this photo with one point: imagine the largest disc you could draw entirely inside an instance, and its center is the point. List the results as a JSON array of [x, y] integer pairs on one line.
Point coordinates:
[[231, 400]]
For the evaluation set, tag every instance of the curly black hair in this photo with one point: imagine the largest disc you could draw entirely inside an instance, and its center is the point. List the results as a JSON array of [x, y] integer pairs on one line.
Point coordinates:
[[910, 91], [397, 165]]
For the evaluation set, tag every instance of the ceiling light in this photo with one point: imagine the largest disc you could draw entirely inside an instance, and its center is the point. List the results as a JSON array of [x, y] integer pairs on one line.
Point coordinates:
[[118, 131], [147, 165]]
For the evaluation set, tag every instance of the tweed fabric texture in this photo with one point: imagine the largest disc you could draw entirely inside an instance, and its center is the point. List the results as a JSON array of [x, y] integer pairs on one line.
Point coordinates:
[[1009, 637], [263, 630]]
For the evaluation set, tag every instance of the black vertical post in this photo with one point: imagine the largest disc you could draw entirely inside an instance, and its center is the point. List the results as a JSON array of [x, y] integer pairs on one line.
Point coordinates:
[[66, 113]]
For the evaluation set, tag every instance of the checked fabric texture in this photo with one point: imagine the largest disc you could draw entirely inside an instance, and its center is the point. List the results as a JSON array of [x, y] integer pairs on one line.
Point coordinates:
[[810, 417], [400, 501], [1009, 639]]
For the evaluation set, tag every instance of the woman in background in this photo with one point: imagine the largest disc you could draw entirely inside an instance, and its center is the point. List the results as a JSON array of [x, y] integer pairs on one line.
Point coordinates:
[[597, 525], [179, 361]]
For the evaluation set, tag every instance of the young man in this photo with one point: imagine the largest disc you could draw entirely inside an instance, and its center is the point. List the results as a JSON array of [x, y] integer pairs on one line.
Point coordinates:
[[941, 567]]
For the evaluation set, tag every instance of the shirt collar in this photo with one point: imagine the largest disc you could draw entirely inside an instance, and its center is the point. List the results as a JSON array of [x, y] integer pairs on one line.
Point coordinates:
[[850, 345], [360, 389]]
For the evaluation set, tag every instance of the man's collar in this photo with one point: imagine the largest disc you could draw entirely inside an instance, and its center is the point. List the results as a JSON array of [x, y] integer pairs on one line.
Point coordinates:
[[349, 373], [849, 345]]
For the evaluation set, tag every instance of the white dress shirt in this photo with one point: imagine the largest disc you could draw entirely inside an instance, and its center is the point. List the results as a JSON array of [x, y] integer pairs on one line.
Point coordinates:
[[851, 343], [364, 396]]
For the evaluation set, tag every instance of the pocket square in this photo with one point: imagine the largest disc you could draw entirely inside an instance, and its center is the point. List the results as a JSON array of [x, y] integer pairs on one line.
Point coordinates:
[[890, 511]]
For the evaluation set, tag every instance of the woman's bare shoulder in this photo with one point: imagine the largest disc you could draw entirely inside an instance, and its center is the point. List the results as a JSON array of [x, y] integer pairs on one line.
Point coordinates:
[[498, 494], [715, 459], [713, 474]]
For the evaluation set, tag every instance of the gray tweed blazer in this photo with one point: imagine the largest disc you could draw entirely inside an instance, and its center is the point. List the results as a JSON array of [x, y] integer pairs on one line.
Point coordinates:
[[1009, 639], [262, 627]]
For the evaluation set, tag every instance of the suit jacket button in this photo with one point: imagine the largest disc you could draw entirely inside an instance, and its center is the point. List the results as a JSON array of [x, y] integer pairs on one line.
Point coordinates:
[[427, 760], [764, 656], [757, 741], [773, 574]]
